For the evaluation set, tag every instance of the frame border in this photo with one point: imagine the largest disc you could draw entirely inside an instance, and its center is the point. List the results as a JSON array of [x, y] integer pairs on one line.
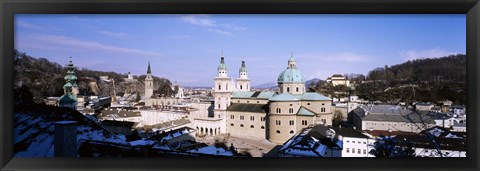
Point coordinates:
[[9, 8]]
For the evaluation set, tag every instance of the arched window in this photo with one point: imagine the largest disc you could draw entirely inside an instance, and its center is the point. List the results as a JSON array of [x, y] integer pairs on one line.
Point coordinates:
[[241, 87], [279, 110], [288, 89], [297, 89], [291, 132], [226, 86], [323, 109], [219, 87], [219, 106], [278, 131], [262, 127], [241, 125], [232, 124], [251, 126], [290, 110]]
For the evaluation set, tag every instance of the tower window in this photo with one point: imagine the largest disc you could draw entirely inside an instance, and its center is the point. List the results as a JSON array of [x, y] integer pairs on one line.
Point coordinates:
[[219, 87], [241, 87], [297, 89], [288, 89], [219, 106], [278, 131]]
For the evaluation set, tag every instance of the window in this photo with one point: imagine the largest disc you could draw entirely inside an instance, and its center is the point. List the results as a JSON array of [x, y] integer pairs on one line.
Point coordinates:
[[323, 104], [279, 110], [288, 89], [297, 89], [258, 101], [364, 151], [348, 141], [232, 116], [252, 118], [304, 122], [262, 118], [324, 121], [364, 142], [322, 109], [278, 131], [291, 132], [241, 87], [251, 126], [239, 101], [278, 122], [291, 104], [262, 127], [242, 117], [308, 103], [292, 122], [359, 151], [353, 150], [348, 150], [232, 124], [290, 110], [218, 105], [241, 125], [226, 86], [219, 87], [359, 142], [353, 141], [248, 101]]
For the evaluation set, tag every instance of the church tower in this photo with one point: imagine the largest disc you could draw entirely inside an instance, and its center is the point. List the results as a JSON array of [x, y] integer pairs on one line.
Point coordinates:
[[148, 83], [70, 89], [223, 88], [243, 82]]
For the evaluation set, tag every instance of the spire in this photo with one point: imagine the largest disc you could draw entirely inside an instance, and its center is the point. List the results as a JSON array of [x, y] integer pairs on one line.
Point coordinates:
[[149, 71], [222, 65], [291, 62]]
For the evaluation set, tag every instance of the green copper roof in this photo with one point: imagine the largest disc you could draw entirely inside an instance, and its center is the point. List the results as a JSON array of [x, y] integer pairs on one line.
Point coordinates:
[[305, 111], [67, 99], [243, 68], [313, 96], [149, 71], [290, 75], [283, 97], [222, 65], [242, 94], [291, 58]]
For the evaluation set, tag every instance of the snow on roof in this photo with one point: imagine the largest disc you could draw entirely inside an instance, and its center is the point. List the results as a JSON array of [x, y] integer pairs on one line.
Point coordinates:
[[212, 150]]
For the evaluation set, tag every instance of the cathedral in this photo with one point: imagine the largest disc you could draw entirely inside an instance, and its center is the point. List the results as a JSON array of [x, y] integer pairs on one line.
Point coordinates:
[[150, 98], [275, 116]]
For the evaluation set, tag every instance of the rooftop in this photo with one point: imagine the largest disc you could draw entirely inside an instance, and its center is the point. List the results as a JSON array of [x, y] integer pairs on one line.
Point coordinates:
[[242, 107]]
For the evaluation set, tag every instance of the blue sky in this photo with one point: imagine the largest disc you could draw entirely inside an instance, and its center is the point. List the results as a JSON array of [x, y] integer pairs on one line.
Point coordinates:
[[187, 48]]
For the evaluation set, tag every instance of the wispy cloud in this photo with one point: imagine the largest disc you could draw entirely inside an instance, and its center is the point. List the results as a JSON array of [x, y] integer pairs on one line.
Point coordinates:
[[219, 31], [233, 27], [113, 34], [199, 19], [81, 19], [215, 27], [35, 26], [421, 54], [63, 41]]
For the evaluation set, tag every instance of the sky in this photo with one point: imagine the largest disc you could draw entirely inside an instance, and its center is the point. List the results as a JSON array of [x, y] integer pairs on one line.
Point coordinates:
[[187, 48]]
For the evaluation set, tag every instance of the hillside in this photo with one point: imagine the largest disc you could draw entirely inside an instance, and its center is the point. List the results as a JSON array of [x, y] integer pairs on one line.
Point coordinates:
[[431, 79], [45, 78]]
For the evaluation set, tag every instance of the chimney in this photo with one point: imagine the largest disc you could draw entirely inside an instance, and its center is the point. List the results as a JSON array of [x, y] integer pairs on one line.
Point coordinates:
[[65, 139]]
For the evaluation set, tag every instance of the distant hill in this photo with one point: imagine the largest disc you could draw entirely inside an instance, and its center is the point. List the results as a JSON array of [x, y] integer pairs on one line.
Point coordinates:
[[430, 79], [45, 78]]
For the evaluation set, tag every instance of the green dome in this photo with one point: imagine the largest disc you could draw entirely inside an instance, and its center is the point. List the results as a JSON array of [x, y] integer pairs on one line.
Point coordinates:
[[222, 65], [70, 78], [67, 99], [243, 68], [290, 75]]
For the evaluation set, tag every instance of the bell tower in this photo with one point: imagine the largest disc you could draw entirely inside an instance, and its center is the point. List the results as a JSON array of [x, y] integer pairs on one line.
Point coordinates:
[[148, 83], [243, 82]]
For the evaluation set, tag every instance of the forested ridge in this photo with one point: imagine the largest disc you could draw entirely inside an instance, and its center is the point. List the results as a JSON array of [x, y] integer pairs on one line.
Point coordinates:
[[45, 78]]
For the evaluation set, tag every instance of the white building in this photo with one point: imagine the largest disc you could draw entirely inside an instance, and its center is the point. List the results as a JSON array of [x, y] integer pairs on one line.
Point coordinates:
[[338, 79], [355, 143]]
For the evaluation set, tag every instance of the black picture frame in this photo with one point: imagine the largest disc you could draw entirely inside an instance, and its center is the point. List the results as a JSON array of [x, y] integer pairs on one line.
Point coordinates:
[[9, 8]]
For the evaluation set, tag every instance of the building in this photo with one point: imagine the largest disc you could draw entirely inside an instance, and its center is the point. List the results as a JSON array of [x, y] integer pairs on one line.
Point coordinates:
[[389, 118], [355, 143], [69, 98], [152, 99], [424, 106], [338, 79], [119, 127], [318, 141], [275, 116]]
